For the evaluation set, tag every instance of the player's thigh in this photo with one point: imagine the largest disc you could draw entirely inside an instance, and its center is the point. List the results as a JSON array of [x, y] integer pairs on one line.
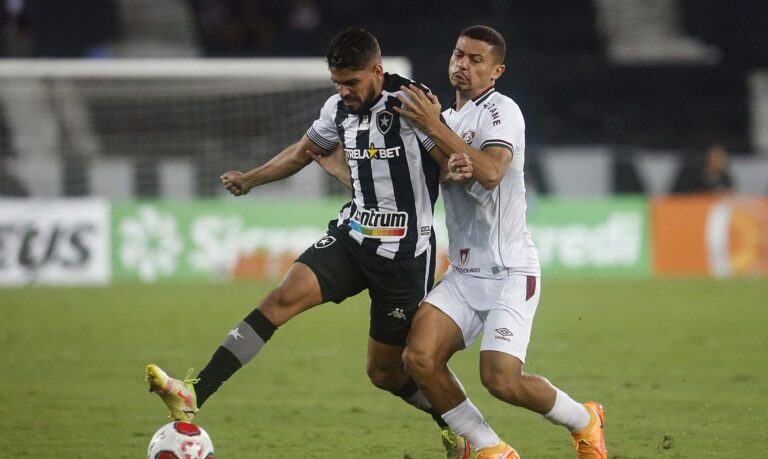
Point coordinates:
[[449, 298], [433, 339], [335, 264], [512, 304], [396, 288]]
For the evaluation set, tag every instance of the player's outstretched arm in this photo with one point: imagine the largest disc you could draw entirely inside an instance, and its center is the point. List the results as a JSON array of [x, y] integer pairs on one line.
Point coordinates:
[[488, 165], [286, 163], [334, 163]]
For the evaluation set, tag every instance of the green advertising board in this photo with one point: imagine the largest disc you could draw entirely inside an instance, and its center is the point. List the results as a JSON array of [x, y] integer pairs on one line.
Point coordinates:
[[596, 237], [170, 240], [223, 239]]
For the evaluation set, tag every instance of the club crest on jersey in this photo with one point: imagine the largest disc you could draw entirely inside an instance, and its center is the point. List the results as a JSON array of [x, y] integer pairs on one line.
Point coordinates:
[[386, 226], [384, 121], [468, 136], [463, 257]]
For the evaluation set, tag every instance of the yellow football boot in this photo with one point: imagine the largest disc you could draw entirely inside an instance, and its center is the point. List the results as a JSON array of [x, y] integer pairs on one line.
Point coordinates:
[[179, 396], [456, 447]]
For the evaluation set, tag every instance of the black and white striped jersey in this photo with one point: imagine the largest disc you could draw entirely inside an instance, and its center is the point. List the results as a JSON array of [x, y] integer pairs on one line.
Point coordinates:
[[394, 179]]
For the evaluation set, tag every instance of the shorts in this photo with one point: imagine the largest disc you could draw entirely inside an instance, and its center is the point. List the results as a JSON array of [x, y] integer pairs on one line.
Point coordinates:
[[502, 309], [396, 287]]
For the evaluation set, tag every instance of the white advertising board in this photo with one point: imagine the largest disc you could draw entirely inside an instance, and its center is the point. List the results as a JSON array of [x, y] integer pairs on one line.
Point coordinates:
[[54, 242]]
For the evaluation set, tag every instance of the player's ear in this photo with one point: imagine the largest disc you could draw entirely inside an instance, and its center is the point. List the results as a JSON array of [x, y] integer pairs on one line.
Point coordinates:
[[378, 70], [498, 71]]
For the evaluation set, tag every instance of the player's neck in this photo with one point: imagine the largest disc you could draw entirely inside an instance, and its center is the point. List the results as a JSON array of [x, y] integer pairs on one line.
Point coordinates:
[[461, 100], [462, 97]]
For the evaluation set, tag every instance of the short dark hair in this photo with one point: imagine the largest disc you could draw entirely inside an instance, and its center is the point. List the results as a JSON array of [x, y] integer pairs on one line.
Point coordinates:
[[353, 49], [490, 36]]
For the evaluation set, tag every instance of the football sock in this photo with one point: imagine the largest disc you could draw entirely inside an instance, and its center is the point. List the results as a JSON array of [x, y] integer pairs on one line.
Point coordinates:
[[467, 421], [241, 345], [568, 413], [412, 395]]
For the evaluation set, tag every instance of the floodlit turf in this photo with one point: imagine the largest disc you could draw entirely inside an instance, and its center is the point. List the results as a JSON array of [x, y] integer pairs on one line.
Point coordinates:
[[680, 366]]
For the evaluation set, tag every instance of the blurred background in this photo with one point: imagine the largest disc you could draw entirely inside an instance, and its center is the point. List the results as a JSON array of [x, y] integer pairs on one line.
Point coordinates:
[[626, 101]]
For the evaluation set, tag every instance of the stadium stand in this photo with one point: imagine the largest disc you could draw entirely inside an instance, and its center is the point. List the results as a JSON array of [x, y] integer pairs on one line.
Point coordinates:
[[572, 89]]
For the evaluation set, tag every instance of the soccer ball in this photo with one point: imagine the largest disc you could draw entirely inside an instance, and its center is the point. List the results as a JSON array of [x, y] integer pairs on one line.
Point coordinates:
[[180, 440]]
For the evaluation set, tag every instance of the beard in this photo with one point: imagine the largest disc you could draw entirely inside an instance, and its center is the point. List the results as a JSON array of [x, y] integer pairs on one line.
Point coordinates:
[[357, 104]]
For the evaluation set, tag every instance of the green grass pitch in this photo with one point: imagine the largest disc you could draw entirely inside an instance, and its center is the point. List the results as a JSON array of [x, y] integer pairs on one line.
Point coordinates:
[[680, 365]]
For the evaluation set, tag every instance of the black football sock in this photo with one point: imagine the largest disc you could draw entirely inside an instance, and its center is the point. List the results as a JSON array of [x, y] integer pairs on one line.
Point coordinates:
[[241, 345], [413, 396]]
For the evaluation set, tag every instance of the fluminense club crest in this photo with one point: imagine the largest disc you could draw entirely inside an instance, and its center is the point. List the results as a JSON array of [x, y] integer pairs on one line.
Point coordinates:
[[463, 257], [468, 136]]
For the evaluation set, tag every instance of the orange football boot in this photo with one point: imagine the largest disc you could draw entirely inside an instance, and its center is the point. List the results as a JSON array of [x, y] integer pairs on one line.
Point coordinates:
[[500, 451], [590, 441]]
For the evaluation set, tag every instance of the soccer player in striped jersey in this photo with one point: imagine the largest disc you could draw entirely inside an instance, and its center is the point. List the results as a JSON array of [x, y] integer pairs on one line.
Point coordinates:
[[493, 284], [382, 240]]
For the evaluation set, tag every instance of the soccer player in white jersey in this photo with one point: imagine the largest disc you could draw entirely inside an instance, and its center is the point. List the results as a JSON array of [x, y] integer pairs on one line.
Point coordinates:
[[493, 284], [382, 240]]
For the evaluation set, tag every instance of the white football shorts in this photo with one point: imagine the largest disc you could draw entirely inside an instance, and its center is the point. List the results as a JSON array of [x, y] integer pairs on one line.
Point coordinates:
[[502, 309]]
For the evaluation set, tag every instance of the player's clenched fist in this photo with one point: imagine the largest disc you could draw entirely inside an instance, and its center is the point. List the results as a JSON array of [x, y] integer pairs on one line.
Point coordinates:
[[460, 166], [234, 183]]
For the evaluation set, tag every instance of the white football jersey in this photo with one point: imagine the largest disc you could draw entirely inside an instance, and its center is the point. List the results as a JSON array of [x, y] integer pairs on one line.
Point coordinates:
[[487, 233]]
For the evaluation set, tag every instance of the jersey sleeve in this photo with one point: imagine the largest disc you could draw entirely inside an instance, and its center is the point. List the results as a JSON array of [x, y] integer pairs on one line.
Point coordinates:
[[323, 131], [425, 140], [393, 83], [501, 125]]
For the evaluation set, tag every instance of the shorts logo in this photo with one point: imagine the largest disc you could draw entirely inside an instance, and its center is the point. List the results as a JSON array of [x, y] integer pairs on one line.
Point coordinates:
[[387, 226], [463, 257], [384, 121], [398, 313], [468, 136], [503, 334], [324, 242]]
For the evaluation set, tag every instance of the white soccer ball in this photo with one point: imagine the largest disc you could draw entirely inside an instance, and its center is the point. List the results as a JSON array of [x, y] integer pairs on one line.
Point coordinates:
[[180, 440]]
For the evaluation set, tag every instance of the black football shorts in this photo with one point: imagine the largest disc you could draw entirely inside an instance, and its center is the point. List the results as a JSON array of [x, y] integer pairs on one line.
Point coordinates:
[[396, 287]]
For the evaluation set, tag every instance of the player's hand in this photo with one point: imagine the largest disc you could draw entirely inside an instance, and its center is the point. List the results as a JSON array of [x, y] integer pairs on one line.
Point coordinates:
[[459, 167], [234, 183], [421, 108]]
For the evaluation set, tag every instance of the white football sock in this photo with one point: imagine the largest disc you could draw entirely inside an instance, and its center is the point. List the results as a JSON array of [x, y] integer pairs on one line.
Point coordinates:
[[467, 421], [568, 413]]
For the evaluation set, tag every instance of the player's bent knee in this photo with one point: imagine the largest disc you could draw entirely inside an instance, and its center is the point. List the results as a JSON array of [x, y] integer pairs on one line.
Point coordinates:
[[280, 305], [298, 292], [418, 363], [277, 299], [504, 387], [386, 379]]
